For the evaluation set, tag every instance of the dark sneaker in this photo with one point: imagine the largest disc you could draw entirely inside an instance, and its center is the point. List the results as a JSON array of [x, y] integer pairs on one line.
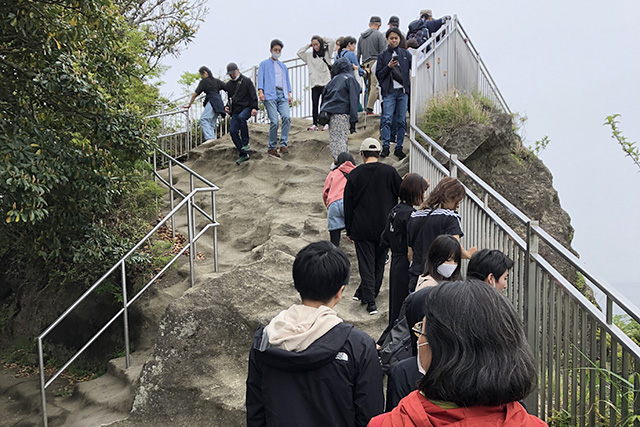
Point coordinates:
[[369, 112], [372, 308], [384, 152], [273, 152], [245, 147], [242, 159], [284, 150], [399, 154]]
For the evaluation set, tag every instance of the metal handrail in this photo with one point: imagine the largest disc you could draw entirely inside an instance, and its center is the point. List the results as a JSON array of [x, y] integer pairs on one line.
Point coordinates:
[[193, 237], [554, 327]]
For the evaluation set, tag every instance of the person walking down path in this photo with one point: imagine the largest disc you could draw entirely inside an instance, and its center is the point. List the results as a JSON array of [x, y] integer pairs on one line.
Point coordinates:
[[340, 100], [371, 191], [242, 104], [213, 105], [370, 44], [319, 63], [393, 72], [333, 195], [274, 90]]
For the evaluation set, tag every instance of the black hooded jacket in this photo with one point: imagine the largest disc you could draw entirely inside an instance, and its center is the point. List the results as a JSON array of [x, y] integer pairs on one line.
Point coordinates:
[[336, 381], [340, 95]]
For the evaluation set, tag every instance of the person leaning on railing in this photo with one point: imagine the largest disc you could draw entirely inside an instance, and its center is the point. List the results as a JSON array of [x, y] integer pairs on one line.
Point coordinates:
[[213, 105]]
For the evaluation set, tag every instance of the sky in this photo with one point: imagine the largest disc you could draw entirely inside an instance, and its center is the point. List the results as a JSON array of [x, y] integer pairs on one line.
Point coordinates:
[[565, 65]]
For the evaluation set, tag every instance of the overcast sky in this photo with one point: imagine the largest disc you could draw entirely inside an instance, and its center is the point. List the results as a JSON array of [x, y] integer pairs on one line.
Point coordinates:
[[566, 65]]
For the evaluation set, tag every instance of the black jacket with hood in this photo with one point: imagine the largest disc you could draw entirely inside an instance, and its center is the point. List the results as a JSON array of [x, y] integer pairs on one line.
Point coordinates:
[[336, 381], [385, 74], [340, 95]]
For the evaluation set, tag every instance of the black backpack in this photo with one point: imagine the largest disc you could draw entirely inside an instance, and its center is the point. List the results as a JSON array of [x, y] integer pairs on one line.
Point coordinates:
[[396, 346], [421, 35]]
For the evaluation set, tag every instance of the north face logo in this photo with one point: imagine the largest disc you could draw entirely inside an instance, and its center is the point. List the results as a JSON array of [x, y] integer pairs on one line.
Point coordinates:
[[342, 356]]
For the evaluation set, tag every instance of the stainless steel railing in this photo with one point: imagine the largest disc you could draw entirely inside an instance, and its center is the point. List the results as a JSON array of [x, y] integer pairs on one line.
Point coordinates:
[[589, 369], [188, 203]]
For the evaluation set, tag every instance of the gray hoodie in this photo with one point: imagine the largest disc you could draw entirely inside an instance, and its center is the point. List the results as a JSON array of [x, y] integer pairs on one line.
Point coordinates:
[[370, 44]]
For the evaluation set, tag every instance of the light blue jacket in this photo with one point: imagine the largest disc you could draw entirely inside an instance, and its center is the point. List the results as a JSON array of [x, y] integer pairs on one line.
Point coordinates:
[[267, 78]]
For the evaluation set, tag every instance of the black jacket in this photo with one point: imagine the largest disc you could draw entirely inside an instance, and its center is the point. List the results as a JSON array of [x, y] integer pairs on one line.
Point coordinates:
[[336, 381], [246, 95], [212, 87], [370, 193], [340, 95], [383, 72]]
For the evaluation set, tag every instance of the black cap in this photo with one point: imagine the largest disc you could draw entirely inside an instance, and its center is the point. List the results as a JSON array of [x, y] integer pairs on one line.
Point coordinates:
[[231, 67], [394, 20], [375, 19]]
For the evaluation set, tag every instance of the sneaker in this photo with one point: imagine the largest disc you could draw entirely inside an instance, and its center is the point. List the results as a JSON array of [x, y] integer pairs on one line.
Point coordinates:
[[245, 147], [356, 296], [369, 112], [284, 150], [242, 159], [372, 308], [209, 140], [273, 152], [332, 167], [384, 152], [399, 154], [326, 127], [314, 127]]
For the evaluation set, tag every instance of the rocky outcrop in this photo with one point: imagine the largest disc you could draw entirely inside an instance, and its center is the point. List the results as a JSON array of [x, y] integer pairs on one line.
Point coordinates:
[[496, 154]]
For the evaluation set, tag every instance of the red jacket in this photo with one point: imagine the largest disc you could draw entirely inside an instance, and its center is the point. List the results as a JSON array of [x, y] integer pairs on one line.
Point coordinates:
[[417, 411], [335, 182]]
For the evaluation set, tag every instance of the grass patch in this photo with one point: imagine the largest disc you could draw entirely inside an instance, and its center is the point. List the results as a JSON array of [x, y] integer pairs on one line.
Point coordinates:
[[446, 113]]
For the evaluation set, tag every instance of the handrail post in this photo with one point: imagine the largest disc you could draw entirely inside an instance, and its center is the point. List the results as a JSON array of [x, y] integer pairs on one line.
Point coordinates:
[[190, 237], [193, 219], [43, 395], [530, 305], [125, 316], [215, 232], [173, 220], [453, 169]]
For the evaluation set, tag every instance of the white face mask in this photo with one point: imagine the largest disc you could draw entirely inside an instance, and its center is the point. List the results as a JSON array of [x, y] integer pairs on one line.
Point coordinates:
[[420, 368], [446, 270], [275, 55]]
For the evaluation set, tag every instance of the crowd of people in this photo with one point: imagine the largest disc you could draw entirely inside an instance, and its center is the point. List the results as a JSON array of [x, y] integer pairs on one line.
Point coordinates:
[[377, 64], [454, 348]]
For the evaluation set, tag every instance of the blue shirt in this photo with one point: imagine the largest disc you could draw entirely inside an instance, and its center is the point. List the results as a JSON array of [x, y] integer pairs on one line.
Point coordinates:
[[267, 78], [351, 56]]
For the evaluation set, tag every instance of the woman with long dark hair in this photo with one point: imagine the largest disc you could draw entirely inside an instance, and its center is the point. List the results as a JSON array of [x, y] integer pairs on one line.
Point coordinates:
[[436, 216], [319, 63], [443, 262], [213, 105], [476, 362]]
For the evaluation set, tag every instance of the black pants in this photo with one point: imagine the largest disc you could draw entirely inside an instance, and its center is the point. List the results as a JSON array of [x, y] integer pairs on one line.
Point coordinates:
[[398, 290], [316, 91], [371, 259]]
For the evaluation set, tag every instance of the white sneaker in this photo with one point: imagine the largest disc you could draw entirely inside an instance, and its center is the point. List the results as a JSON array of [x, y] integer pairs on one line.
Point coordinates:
[[326, 127], [314, 127]]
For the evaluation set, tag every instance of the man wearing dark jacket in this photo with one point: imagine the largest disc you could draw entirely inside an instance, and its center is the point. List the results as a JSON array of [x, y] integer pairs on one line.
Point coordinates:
[[393, 71], [370, 44], [307, 367], [370, 193], [242, 104]]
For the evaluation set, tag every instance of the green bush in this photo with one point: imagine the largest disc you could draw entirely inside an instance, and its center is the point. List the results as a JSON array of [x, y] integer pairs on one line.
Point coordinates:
[[448, 112]]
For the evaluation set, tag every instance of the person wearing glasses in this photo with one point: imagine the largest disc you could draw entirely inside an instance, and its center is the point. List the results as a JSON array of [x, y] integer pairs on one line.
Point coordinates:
[[307, 367], [476, 361]]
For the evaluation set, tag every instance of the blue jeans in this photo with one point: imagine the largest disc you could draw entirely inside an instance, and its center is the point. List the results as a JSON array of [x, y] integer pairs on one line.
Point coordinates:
[[280, 105], [208, 122], [239, 130], [395, 110]]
